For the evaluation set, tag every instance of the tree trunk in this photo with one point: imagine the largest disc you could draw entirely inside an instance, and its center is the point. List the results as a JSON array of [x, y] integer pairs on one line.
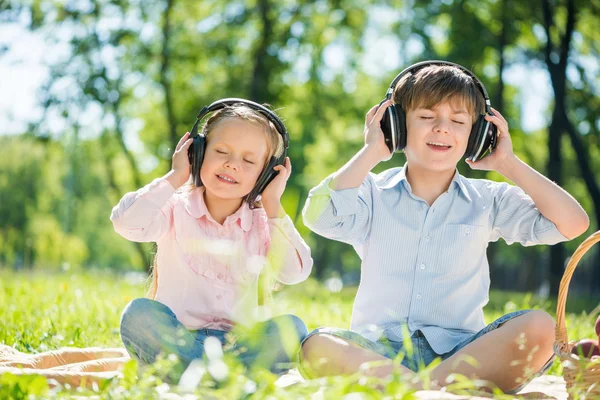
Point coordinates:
[[164, 75], [259, 90]]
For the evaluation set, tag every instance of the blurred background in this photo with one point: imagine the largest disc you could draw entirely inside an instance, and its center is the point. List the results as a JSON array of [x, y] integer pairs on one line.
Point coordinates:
[[95, 95]]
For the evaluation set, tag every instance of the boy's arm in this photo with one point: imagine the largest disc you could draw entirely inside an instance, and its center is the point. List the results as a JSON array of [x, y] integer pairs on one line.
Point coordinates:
[[551, 200], [339, 208], [354, 172]]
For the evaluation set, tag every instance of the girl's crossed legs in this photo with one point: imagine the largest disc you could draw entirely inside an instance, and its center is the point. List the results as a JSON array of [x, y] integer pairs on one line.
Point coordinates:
[[149, 328]]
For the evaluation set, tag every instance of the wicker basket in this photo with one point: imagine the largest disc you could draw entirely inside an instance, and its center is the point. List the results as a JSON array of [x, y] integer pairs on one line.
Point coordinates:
[[578, 375]]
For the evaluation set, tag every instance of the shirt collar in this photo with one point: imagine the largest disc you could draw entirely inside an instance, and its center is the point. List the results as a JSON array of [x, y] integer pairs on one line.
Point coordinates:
[[196, 207], [400, 175]]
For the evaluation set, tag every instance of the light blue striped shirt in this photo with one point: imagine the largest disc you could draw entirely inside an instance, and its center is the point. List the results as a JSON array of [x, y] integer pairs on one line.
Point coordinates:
[[424, 266]]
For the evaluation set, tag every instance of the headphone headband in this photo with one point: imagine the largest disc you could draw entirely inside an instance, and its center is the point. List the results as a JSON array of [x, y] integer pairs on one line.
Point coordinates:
[[222, 103], [423, 64]]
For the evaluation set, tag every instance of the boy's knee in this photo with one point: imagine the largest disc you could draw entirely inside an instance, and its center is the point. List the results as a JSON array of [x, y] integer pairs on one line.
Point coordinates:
[[538, 328]]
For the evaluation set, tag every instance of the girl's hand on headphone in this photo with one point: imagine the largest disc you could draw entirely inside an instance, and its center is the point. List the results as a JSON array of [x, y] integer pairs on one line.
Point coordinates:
[[503, 150], [180, 164], [271, 196], [374, 135]]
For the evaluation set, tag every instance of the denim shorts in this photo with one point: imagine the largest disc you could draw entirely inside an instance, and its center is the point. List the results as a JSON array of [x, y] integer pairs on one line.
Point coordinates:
[[422, 354]]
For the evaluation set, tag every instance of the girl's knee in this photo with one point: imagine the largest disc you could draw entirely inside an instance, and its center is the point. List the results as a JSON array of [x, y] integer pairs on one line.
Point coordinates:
[[140, 313], [288, 324], [299, 326]]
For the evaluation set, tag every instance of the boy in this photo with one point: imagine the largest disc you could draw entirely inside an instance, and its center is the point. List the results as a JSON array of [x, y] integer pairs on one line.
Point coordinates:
[[422, 231]]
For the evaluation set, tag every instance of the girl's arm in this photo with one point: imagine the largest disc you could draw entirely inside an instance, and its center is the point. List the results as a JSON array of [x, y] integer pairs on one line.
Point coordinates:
[[145, 215], [289, 256]]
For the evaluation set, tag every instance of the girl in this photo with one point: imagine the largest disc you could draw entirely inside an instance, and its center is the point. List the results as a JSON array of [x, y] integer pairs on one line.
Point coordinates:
[[214, 240]]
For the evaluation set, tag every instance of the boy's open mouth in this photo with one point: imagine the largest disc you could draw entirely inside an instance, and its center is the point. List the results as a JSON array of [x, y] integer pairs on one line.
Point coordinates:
[[438, 146], [226, 179]]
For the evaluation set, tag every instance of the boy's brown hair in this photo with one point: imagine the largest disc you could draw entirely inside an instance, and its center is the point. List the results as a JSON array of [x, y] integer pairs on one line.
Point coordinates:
[[434, 84]]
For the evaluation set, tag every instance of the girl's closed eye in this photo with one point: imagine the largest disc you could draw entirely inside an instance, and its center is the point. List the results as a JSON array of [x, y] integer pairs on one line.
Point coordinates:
[[220, 151], [458, 122], [249, 161]]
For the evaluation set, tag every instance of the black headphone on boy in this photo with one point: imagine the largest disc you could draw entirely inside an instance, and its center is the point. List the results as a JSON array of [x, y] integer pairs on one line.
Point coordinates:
[[198, 146], [483, 135]]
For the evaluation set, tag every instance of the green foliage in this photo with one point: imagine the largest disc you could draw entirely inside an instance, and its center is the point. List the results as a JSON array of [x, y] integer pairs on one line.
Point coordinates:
[[41, 312], [138, 73]]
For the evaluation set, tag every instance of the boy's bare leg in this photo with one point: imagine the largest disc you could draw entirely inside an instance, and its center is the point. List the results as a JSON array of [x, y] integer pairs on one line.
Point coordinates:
[[329, 355], [506, 356], [51, 359]]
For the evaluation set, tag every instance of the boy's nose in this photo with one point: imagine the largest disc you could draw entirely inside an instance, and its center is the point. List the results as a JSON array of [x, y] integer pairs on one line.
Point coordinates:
[[441, 127]]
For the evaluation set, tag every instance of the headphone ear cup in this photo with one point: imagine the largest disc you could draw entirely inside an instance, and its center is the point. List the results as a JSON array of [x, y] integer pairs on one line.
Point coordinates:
[[196, 156], [265, 177], [387, 127], [400, 127], [483, 137]]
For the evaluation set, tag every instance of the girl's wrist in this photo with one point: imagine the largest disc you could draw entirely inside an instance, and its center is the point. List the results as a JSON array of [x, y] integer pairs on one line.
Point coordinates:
[[273, 209], [175, 179]]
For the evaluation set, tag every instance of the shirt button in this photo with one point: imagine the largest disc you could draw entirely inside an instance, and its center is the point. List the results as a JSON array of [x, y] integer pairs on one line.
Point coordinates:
[[467, 231], [219, 297], [220, 275], [418, 297], [422, 266], [423, 206], [427, 237]]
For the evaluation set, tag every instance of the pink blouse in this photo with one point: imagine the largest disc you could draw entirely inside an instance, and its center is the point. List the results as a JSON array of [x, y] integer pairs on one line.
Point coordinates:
[[208, 272]]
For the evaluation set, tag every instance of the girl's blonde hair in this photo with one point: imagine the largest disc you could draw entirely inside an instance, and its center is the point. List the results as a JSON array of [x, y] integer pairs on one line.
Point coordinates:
[[274, 149]]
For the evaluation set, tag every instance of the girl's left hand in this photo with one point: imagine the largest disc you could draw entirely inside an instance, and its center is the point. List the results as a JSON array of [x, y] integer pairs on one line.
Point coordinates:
[[271, 196], [504, 148]]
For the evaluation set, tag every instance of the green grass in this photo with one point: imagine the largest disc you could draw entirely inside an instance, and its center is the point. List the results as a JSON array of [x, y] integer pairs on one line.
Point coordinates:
[[40, 312]]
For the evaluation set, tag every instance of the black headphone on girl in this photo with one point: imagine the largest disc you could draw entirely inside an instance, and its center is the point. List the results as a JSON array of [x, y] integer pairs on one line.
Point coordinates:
[[483, 135], [198, 146]]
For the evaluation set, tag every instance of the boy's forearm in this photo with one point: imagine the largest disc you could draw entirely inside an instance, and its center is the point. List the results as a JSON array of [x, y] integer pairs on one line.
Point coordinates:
[[354, 172], [554, 203]]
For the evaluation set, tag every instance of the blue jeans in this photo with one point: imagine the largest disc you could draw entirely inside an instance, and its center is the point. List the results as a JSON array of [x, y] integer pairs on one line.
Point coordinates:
[[149, 328], [422, 354]]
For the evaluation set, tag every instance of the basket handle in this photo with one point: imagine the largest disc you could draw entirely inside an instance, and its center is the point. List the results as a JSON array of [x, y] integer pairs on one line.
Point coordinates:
[[561, 329]]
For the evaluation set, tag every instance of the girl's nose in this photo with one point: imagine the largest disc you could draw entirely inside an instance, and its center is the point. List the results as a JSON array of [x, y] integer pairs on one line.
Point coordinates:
[[232, 163]]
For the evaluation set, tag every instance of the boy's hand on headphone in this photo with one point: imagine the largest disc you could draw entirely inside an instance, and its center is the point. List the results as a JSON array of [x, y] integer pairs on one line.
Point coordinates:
[[373, 134], [180, 164], [503, 150], [271, 196]]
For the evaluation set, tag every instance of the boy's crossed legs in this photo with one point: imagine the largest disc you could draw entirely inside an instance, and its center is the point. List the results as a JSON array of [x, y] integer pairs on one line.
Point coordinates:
[[507, 353]]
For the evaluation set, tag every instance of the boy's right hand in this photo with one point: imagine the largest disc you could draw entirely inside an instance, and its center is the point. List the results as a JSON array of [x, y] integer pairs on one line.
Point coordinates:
[[180, 164], [373, 134]]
